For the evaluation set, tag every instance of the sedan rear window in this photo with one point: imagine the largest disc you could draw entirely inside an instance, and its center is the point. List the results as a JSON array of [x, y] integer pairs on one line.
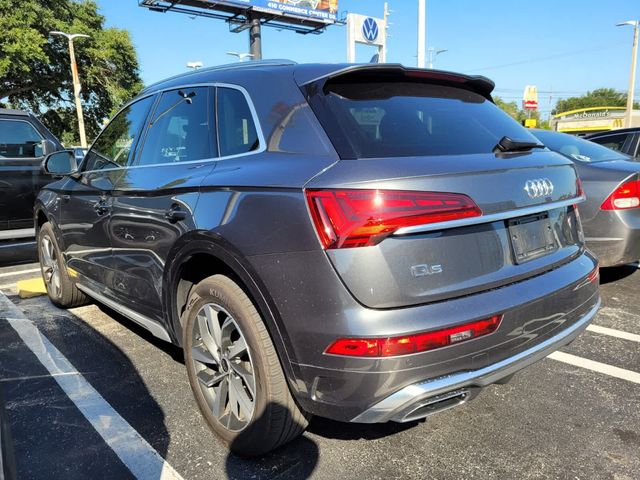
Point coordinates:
[[576, 148], [397, 119]]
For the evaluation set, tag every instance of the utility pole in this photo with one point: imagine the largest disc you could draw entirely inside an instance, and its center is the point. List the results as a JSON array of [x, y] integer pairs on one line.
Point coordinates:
[[255, 37], [76, 82], [632, 76], [422, 31]]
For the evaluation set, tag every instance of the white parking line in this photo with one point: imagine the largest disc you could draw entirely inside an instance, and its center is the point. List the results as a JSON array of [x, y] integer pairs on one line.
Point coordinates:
[[19, 272], [596, 366], [608, 331], [139, 457]]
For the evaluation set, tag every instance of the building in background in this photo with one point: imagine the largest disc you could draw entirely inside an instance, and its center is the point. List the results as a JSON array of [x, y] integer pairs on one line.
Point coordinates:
[[593, 119]]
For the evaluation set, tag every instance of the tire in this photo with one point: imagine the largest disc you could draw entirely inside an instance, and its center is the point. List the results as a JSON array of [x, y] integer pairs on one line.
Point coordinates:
[[222, 381], [61, 288]]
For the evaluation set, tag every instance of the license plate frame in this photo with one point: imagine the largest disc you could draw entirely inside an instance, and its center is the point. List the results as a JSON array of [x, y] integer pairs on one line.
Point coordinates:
[[531, 237]]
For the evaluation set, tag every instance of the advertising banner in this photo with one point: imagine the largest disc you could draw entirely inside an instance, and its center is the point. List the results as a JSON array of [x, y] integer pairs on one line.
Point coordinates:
[[323, 11]]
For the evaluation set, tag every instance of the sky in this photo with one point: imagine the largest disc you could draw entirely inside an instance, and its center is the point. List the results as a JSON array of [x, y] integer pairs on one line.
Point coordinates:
[[564, 47]]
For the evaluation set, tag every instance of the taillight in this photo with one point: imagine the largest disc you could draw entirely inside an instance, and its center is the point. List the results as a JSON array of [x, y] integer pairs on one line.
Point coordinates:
[[421, 342], [594, 276], [359, 218], [579, 190], [623, 197]]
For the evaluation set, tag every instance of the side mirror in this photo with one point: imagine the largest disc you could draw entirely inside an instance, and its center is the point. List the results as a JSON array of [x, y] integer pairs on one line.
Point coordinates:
[[60, 163]]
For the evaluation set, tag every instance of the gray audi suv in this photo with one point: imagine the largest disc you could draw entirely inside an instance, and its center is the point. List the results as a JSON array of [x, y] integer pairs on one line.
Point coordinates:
[[367, 243]]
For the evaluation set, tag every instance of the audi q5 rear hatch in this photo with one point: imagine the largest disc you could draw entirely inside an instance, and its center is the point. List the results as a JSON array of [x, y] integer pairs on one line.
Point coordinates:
[[440, 194]]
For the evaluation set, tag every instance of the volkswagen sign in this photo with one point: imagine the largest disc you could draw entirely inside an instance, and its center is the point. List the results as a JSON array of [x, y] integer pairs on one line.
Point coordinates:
[[370, 29]]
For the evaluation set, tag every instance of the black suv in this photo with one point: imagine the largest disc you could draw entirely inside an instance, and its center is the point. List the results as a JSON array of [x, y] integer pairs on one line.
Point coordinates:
[[24, 141], [361, 242]]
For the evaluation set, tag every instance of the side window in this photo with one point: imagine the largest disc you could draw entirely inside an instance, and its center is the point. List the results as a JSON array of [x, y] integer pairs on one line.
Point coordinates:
[[236, 129], [18, 139], [614, 142], [114, 146], [180, 130]]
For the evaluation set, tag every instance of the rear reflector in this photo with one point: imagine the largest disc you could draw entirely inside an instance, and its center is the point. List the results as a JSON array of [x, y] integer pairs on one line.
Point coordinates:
[[360, 218], [421, 342], [624, 197], [594, 276]]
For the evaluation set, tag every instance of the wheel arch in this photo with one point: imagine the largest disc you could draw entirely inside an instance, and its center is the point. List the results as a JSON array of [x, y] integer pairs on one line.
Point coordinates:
[[211, 255]]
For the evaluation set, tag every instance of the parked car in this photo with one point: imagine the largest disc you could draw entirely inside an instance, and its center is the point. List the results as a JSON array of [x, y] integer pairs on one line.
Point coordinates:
[[24, 141], [611, 182], [361, 242], [624, 140]]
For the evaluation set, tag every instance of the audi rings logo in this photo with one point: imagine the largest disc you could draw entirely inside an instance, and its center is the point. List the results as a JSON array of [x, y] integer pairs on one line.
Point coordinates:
[[540, 187]]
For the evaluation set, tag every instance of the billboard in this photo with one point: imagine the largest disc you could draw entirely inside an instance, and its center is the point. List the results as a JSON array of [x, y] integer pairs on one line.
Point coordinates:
[[322, 11]]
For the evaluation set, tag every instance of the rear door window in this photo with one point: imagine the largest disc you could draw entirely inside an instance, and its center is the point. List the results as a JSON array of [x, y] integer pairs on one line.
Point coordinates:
[[19, 139], [398, 119], [614, 142], [237, 132], [180, 130]]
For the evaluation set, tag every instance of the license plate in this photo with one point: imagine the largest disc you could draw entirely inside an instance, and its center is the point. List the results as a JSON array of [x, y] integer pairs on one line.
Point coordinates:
[[531, 237]]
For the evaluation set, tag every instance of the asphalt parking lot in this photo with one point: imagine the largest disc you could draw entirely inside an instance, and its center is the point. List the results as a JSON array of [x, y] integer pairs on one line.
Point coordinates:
[[117, 404]]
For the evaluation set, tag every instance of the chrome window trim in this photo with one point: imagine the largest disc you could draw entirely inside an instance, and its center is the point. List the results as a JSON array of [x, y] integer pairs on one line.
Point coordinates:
[[42, 139], [261, 139], [520, 212]]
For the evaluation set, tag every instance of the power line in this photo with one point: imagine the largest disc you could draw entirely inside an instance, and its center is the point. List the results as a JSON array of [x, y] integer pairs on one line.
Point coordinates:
[[550, 57]]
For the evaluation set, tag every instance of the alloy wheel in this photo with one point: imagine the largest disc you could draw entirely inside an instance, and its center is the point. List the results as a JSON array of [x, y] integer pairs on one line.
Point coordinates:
[[50, 267], [224, 367]]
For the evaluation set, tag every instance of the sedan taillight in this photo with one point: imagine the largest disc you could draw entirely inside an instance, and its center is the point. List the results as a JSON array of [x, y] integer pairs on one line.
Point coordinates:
[[360, 218], [623, 197]]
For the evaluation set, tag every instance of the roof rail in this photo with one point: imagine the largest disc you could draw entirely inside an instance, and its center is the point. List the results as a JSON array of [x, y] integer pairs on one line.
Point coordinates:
[[224, 68]]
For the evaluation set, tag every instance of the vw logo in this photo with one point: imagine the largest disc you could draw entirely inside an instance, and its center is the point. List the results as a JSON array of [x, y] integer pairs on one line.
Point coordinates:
[[540, 187], [370, 29]]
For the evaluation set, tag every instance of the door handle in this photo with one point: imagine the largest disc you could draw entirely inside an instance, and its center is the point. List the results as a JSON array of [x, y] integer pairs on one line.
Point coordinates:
[[175, 214], [101, 207]]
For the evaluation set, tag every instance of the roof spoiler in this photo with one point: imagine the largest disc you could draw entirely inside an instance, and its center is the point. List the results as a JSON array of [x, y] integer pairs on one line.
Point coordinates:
[[475, 83]]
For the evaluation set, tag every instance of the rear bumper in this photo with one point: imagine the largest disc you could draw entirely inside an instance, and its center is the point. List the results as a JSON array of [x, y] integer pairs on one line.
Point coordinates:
[[410, 402], [315, 309], [614, 236], [616, 251]]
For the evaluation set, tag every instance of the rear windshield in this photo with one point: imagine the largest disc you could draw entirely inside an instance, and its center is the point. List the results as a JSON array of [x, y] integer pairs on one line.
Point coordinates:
[[397, 119], [577, 148]]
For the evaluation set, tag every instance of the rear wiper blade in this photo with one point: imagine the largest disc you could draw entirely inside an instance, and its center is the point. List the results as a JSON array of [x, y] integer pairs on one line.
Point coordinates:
[[507, 144]]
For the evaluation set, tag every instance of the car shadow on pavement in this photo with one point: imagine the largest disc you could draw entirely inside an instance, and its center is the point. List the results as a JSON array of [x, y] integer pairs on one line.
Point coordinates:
[[51, 437], [357, 431], [296, 460], [173, 351], [613, 274]]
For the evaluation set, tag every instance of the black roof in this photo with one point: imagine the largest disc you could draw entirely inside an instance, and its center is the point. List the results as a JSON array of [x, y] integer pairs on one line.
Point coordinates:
[[11, 111], [613, 132], [313, 72]]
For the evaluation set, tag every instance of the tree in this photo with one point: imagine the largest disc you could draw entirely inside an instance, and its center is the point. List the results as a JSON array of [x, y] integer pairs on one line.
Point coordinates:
[[35, 73], [600, 97], [511, 108]]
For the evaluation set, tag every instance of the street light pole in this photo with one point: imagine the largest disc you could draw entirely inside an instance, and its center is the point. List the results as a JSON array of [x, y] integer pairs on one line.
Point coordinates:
[[76, 82], [433, 53], [422, 31], [632, 76]]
